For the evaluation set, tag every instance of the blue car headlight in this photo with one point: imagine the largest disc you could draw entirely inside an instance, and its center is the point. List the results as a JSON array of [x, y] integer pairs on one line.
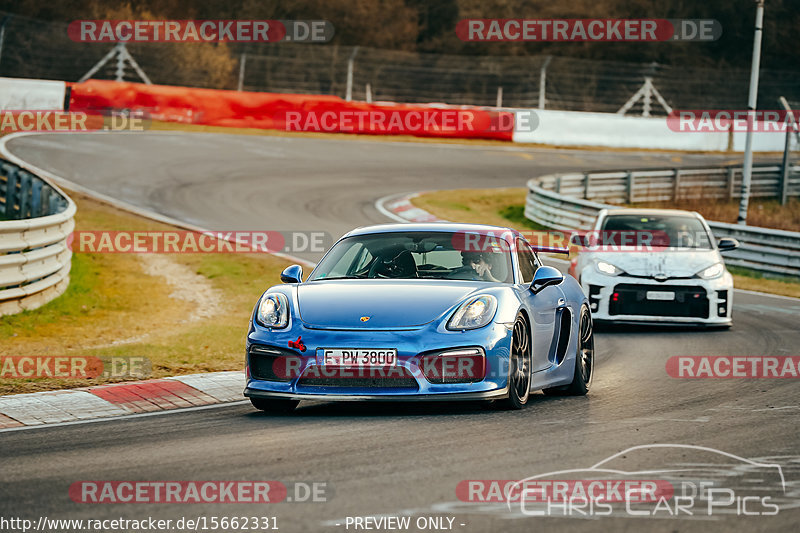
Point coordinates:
[[474, 313], [273, 311]]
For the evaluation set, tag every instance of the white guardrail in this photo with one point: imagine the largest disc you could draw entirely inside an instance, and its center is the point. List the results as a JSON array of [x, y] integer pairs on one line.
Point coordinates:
[[36, 219], [566, 202]]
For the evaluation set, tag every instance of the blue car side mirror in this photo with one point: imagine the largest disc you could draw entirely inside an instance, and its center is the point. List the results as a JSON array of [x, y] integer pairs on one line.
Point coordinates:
[[544, 277], [292, 274]]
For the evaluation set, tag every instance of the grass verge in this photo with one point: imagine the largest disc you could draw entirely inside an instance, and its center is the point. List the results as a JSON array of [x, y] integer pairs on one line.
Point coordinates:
[[113, 307], [506, 207]]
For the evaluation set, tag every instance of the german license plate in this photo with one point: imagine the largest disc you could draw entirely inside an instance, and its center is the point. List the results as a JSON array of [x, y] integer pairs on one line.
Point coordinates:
[[660, 295], [360, 357]]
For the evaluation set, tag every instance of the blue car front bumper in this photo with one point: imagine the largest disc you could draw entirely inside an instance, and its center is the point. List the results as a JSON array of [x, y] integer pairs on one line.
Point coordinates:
[[494, 340]]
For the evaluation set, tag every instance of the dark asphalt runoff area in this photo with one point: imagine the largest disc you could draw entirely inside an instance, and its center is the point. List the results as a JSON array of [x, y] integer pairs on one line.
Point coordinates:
[[392, 460]]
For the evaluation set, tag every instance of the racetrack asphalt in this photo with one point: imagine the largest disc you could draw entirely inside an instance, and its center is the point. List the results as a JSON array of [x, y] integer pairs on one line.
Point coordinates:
[[389, 459]]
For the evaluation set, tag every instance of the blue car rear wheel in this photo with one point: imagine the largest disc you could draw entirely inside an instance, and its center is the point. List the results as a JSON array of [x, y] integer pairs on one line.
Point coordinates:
[[584, 360]]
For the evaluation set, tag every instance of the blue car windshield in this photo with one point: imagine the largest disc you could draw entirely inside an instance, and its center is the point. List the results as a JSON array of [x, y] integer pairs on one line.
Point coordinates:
[[413, 255]]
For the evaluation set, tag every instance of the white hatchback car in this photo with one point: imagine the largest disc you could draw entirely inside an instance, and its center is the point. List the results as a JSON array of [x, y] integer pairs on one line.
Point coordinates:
[[656, 266]]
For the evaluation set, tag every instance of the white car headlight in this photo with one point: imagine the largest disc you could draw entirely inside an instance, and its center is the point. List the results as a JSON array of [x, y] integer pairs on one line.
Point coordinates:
[[607, 268], [714, 271], [474, 313], [273, 311]]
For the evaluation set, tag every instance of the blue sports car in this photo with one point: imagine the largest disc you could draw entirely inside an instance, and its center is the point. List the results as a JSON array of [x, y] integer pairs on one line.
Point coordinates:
[[434, 311]]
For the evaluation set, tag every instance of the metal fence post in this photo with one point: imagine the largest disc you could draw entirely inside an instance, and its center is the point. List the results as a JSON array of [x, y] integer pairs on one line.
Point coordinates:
[[784, 190], [242, 61], [586, 181], [648, 91], [676, 185], [119, 73], [543, 81], [3, 34], [629, 188], [730, 138], [730, 183], [349, 89], [752, 99], [499, 97]]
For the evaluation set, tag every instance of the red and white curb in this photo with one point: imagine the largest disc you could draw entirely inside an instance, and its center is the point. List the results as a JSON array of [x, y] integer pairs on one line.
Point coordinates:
[[399, 208], [120, 399]]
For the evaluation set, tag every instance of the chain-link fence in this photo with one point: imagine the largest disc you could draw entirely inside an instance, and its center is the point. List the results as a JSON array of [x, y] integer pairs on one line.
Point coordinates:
[[36, 49], [556, 82]]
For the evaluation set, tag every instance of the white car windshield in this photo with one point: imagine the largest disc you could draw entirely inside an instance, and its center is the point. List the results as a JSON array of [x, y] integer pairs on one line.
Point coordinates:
[[412, 255], [672, 231]]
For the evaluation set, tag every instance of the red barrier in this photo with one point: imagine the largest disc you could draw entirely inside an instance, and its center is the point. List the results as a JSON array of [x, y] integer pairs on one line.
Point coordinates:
[[291, 112]]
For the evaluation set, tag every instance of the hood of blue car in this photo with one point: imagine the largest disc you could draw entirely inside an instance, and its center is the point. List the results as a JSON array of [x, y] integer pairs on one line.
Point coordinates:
[[386, 303]]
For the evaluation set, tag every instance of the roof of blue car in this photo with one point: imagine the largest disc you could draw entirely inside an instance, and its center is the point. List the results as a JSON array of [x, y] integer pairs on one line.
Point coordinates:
[[448, 227]]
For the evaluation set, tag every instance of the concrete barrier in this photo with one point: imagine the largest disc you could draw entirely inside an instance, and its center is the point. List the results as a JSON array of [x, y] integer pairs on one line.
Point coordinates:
[[573, 128], [17, 94]]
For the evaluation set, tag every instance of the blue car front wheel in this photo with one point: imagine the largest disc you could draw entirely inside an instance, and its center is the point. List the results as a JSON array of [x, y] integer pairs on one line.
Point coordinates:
[[519, 376]]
